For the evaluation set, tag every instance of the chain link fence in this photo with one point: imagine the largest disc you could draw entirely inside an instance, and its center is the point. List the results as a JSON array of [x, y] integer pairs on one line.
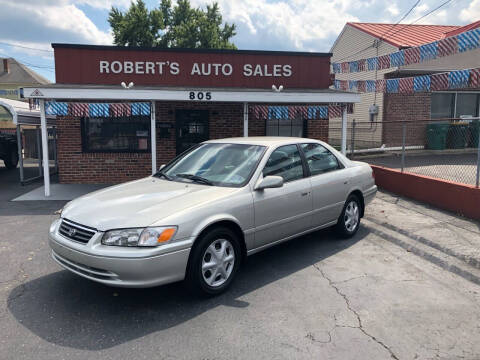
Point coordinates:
[[445, 149]]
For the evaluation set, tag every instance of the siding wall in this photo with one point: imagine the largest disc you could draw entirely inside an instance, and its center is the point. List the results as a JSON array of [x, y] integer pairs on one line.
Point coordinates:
[[350, 41]]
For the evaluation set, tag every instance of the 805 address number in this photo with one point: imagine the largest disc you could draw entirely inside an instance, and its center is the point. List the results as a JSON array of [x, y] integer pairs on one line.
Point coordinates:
[[200, 95]]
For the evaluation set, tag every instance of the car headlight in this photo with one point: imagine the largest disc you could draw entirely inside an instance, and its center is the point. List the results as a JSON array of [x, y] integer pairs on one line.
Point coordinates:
[[151, 236], [53, 225]]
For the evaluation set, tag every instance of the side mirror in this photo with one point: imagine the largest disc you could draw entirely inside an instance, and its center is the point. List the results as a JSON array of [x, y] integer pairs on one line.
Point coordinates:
[[270, 182], [161, 167]]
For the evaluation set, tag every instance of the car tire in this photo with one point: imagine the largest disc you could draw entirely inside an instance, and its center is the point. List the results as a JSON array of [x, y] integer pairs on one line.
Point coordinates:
[[349, 220], [11, 158], [206, 276]]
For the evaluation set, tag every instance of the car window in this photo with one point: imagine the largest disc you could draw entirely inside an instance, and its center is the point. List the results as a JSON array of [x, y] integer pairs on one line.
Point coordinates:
[[319, 159], [285, 162]]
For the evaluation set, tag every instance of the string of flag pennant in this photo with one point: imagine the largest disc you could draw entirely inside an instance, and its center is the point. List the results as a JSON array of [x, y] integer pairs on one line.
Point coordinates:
[[96, 109], [458, 79], [466, 41], [310, 112]]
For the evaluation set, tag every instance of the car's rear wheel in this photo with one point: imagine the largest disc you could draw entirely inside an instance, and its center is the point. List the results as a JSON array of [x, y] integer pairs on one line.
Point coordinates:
[[349, 220], [11, 158], [214, 262]]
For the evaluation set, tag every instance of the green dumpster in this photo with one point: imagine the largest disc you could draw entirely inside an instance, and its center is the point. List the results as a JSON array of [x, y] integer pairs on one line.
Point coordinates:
[[457, 136], [437, 135], [474, 129]]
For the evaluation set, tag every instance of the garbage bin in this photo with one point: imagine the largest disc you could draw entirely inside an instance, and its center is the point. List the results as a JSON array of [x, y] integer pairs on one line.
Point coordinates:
[[437, 135], [474, 130], [457, 136]]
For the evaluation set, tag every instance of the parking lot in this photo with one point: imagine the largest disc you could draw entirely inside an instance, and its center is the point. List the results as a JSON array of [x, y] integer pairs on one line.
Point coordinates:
[[407, 286]]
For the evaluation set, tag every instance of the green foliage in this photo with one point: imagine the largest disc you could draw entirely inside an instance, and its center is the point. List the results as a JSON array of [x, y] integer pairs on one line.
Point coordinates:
[[179, 26]]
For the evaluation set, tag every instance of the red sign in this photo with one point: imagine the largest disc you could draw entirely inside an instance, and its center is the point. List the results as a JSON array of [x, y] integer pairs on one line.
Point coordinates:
[[110, 65]]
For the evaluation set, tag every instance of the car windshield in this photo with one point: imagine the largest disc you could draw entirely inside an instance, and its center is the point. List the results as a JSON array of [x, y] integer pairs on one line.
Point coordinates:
[[215, 164]]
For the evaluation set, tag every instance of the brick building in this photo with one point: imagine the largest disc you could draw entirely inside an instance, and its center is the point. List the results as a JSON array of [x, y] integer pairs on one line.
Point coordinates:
[[122, 112], [364, 40]]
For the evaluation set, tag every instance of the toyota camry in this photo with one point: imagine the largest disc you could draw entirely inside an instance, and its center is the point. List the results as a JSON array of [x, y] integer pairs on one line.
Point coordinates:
[[203, 213]]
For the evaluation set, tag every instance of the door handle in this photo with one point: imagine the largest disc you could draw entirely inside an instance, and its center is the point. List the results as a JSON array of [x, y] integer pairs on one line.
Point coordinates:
[[305, 193]]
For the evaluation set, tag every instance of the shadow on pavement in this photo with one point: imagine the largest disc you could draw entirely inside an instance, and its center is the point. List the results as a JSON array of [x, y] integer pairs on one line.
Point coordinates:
[[70, 311]]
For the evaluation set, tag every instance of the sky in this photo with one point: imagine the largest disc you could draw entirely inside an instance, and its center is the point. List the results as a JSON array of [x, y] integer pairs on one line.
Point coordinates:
[[28, 27]]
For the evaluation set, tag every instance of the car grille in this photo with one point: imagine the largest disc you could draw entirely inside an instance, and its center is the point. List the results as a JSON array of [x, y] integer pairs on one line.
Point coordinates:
[[76, 232]]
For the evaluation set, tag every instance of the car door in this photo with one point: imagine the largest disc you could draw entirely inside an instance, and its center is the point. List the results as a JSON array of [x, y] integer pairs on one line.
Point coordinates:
[[329, 180], [285, 211]]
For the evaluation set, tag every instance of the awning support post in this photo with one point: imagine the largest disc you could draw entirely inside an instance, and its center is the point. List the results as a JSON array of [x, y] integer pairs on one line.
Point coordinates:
[[153, 138], [245, 119], [39, 150], [344, 130], [46, 169], [20, 153]]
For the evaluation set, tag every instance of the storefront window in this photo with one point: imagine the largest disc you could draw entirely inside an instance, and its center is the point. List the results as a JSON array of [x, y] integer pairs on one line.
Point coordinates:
[[116, 134], [442, 105], [467, 105], [285, 127]]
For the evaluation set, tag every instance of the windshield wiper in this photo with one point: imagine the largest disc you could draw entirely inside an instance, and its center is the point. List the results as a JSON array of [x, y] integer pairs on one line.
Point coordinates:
[[195, 178], [160, 174]]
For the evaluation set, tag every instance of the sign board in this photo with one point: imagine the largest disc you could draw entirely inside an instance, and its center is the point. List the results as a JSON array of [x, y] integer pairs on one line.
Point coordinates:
[[111, 65]]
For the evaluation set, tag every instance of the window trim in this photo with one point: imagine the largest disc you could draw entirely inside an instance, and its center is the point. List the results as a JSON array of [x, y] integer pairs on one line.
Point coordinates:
[[84, 140], [340, 164], [305, 173]]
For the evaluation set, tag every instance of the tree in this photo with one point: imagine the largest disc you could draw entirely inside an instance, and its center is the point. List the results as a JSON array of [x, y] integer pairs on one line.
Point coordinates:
[[179, 26]]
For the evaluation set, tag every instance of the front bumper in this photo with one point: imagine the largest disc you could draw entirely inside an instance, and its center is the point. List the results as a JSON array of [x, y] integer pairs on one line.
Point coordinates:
[[120, 271]]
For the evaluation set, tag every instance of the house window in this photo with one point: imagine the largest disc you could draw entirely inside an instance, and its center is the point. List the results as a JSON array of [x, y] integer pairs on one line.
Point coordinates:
[[467, 105], [116, 134], [454, 105], [442, 106]]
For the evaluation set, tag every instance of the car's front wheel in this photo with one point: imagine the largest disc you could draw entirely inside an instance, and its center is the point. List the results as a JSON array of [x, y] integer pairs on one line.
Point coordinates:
[[214, 262], [349, 220]]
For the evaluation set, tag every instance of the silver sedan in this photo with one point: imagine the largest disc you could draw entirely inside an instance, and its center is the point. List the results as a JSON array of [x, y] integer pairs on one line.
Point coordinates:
[[204, 212]]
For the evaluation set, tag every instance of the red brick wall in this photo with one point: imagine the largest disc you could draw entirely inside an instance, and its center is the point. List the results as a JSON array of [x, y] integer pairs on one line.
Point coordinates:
[[459, 198], [405, 107], [318, 129], [225, 120]]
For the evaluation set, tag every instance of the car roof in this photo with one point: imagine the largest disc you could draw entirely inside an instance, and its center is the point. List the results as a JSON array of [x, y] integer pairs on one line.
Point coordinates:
[[263, 140]]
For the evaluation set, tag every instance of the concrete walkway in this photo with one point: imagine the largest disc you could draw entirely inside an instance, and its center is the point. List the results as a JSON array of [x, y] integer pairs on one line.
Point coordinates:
[[60, 192], [448, 241]]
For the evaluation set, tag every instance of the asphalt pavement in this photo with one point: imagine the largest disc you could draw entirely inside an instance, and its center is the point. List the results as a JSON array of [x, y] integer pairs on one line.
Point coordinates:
[[386, 293]]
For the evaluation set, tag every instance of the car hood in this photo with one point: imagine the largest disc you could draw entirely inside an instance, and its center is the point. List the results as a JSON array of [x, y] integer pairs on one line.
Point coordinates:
[[139, 203]]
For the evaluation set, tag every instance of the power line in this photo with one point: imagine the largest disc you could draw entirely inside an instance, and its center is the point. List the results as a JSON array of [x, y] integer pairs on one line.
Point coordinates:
[[399, 21], [403, 27], [25, 47], [44, 67], [423, 16], [387, 31]]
